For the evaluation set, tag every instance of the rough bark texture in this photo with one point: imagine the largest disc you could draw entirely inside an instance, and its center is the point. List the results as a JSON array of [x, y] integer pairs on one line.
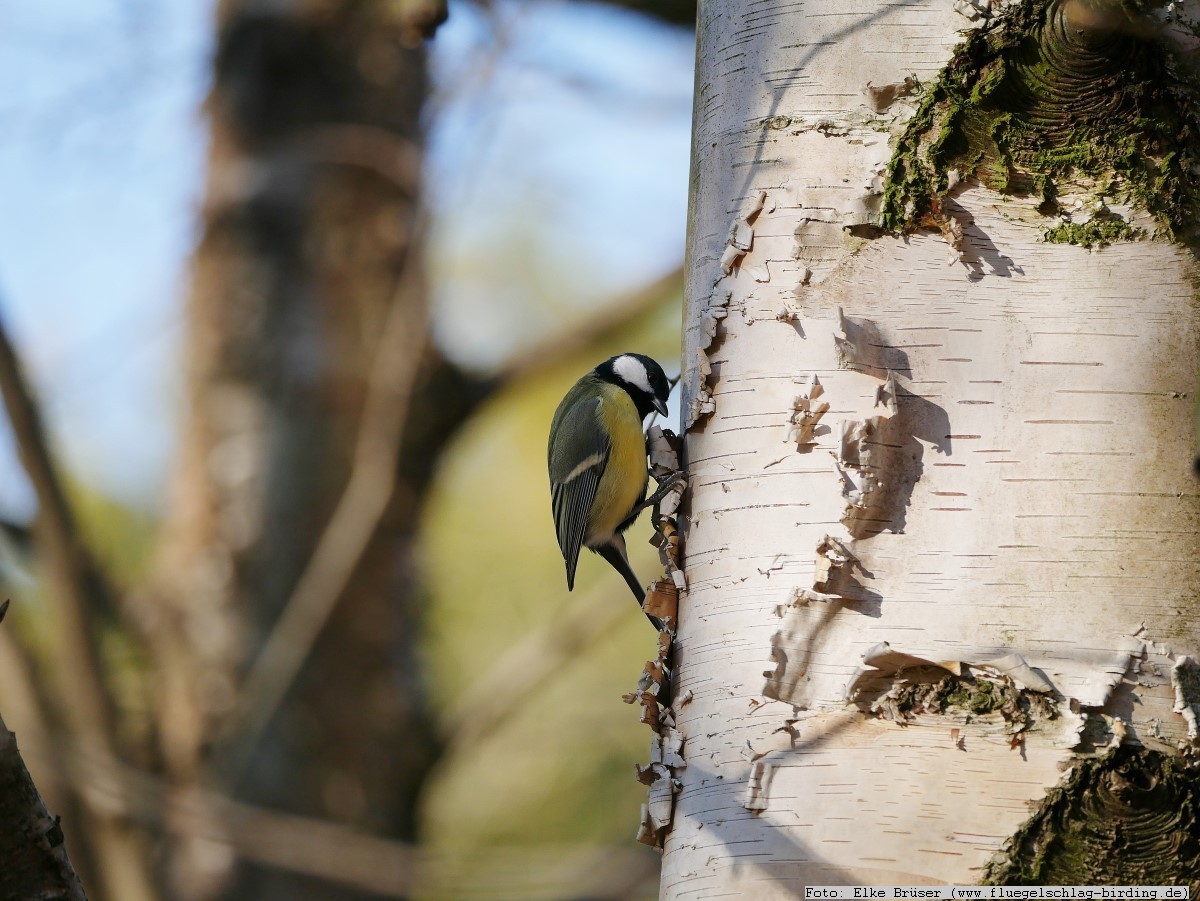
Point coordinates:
[[1130, 817], [35, 864], [952, 454]]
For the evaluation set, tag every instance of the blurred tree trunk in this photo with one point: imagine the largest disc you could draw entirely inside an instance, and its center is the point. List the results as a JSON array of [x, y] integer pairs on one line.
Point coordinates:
[[935, 385], [310, 236]]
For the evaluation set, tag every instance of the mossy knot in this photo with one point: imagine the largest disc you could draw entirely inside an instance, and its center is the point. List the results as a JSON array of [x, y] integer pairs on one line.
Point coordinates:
[[1053, 92], [1129, 817]]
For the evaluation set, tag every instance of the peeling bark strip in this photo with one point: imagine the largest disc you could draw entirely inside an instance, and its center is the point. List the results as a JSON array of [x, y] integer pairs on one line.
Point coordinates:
[[990, 533], [1185, 677], [653, 691], [1129, 817], [806, 415], [715, 311]]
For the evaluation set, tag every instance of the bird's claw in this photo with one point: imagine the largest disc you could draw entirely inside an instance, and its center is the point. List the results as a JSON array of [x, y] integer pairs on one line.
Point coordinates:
[[671, 479]]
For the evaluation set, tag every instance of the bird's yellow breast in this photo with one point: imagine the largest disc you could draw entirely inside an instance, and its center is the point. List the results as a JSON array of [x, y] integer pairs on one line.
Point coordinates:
[[623, 484]]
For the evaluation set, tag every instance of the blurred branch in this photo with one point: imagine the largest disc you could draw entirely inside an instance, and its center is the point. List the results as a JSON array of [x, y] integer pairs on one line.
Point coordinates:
[[506, 687], [339, 550], [354, 859], [78, 586], [31, 842], [297, 844], [420, 18], [609, 319], [19, 536], [24, 698], [676, 12], [368, 147], [77, 589]]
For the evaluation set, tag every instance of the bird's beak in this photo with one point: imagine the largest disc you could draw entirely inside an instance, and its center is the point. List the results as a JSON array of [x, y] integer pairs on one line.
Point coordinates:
[[660, 406]]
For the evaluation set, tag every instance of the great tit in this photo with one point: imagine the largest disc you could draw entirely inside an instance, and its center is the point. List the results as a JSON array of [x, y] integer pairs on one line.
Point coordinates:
[[597, 461]]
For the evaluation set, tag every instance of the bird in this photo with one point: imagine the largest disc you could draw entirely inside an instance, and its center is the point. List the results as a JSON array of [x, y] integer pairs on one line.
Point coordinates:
[[596, 456]]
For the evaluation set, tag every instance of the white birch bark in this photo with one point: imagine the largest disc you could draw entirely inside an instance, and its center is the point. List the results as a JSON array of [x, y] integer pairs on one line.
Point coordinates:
[[1025, 488]]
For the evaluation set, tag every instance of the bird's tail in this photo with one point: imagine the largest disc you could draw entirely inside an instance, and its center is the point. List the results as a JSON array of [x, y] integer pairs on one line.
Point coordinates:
[[614, 553]]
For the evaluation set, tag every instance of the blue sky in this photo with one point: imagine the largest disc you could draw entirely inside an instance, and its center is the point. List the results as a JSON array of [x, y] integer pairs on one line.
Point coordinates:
[[557, 173], [101, 160]]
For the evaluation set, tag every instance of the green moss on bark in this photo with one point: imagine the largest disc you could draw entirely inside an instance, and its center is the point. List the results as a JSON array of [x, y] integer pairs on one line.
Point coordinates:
[[1131, 817], [1100, 230], [970, 694], [1051, 92]]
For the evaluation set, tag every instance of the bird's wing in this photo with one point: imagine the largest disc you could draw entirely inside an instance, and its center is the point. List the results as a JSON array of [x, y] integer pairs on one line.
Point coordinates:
[[580, 457]]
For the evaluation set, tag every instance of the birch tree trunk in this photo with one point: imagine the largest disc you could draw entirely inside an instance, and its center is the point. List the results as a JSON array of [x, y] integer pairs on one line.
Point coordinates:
[[940, 337]]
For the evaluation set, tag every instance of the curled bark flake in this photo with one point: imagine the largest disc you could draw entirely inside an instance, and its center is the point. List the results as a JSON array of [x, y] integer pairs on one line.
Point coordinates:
[[880, 97], [702, 404], [807, 411], [867, 452], [666, 757], [741, 234], [1185, 677]]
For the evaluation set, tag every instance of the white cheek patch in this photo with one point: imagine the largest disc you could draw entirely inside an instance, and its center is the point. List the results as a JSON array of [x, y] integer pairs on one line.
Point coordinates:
[[633, 371]]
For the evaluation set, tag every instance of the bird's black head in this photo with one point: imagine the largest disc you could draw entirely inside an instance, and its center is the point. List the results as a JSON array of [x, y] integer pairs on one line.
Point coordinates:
[[641, 377]]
